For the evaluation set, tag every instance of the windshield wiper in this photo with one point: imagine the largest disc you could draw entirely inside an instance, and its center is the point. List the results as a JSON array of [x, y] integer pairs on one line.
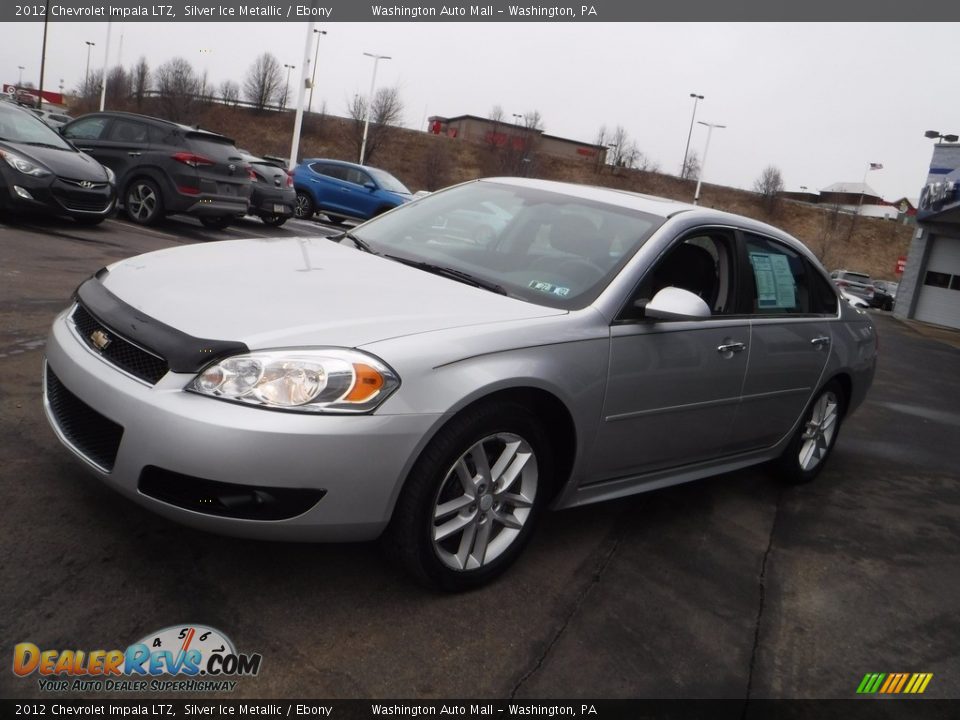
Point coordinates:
[[361, 244], [451, 273]]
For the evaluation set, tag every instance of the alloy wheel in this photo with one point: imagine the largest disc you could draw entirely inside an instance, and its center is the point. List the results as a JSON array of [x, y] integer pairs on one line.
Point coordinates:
[[142, 202], [484, 501]]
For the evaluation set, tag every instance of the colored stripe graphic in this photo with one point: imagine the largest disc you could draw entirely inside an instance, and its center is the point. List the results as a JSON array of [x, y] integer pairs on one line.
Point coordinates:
[[894, 683]]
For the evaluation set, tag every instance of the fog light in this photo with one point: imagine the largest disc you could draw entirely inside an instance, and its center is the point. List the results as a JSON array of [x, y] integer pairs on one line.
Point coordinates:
[[22, 193]]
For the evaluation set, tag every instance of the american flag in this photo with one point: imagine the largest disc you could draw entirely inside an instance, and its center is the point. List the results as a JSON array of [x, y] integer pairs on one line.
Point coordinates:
[[876, 166]]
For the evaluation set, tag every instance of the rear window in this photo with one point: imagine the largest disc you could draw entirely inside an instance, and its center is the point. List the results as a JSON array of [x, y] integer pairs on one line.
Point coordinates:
[[213, 146]]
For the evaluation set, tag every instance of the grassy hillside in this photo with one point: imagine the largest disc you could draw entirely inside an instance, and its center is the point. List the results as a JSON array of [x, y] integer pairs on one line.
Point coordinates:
[[424, 161]]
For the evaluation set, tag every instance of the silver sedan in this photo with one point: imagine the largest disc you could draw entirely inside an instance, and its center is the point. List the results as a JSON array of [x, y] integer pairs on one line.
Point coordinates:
[[405, 381]]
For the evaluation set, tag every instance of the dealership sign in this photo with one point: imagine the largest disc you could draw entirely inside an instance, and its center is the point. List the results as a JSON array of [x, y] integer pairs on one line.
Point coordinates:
[[936, 195]]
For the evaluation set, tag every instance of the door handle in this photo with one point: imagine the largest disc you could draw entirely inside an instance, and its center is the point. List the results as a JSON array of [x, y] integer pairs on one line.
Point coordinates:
[[820, 341], [83, 149], [134, 154], [733, 347]]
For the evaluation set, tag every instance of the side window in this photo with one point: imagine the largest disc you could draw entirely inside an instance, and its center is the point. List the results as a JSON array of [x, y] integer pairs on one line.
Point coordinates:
[[358, 177], [127, 131], [783, 282], [86, 129], [701, 263]]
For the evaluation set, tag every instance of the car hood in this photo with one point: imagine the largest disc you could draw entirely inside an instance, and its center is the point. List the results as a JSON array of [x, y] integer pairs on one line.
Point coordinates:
[[301, 292], [65, 163]]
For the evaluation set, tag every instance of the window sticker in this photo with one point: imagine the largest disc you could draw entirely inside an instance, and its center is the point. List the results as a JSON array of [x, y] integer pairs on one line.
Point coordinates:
[[775, 285], [549, 288]]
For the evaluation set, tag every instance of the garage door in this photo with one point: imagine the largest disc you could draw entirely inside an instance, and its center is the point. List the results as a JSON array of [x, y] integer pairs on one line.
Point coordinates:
[[939, 300]]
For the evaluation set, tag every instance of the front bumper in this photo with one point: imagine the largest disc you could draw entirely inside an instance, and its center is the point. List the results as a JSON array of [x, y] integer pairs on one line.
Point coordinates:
[[62, 197], [359, 462]]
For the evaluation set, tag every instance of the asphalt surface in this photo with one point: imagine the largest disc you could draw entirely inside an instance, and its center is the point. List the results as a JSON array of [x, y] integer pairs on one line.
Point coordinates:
[[732, 587]]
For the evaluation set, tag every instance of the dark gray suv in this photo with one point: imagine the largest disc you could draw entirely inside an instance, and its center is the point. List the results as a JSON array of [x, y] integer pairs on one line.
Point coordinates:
[[164, 167]]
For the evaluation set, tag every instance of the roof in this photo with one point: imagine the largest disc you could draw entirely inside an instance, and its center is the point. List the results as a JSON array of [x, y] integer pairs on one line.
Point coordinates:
[[441, 118], [163, 121], [851, 188]]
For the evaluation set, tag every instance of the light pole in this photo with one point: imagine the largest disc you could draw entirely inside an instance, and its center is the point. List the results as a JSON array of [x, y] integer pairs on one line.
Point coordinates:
[[21, 68], [313, 77], [86, 77], [703, 163], [286, 88], [931, 134], [366, 122], [686, 151], [204, 59]]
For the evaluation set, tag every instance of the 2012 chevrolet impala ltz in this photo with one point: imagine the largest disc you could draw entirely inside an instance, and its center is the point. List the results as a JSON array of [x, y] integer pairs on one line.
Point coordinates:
[[442, 387]]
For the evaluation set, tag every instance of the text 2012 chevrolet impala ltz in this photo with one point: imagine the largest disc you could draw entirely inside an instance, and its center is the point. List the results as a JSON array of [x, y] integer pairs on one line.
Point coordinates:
[[442, 388]]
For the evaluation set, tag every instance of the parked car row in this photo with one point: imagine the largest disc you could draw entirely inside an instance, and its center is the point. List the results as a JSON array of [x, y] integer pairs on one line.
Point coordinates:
[[873, 293], [158, 168]]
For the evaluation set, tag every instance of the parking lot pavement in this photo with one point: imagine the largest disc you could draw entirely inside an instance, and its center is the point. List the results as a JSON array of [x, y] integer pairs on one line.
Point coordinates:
[[730, 587]]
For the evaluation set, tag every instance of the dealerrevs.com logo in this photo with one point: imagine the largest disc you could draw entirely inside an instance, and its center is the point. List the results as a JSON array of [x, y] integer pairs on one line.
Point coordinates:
[[205, 656]]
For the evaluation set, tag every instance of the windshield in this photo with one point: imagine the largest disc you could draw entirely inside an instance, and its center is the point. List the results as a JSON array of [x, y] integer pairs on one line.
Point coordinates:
[[545, 247], [19, 126], [387, 181]]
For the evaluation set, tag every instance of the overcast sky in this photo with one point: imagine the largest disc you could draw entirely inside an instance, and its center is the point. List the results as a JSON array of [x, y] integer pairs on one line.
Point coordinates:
[[819, 101]]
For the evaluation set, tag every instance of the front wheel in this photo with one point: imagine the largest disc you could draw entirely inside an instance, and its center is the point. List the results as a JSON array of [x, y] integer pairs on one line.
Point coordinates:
[[804, 457], [143, 202], [473, 498]]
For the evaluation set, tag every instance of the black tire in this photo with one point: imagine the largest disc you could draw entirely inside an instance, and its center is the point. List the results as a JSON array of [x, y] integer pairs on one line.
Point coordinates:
[[89, 221], [274, 220], [216, 222], [435, 481], [305, 208], [143, 202], [791, 467]]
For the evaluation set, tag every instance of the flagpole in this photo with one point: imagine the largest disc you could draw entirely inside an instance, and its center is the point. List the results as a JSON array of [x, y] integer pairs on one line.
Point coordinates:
[[863, 185]]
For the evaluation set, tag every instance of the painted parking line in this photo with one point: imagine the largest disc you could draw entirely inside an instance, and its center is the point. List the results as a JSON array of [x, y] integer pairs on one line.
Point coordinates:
[[141, 228]]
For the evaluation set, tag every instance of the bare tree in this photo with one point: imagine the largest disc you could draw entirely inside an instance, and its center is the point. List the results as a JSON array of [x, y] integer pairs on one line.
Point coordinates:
[[386, 113], [140, 80], [496, 115], [264, 81], [769, 185], [119, 86], [532, 120], [230, 92], [691, 168], [177, 87], [437, 163]]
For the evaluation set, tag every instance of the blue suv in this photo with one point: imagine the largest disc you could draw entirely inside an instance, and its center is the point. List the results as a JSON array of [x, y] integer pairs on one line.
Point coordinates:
[[343, 190]]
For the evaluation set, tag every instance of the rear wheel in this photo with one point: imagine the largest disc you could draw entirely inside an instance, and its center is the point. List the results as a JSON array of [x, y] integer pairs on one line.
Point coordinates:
[[804, 457], [274, 220], [305, 207], [143, 202], [473, 498], [216, 222]]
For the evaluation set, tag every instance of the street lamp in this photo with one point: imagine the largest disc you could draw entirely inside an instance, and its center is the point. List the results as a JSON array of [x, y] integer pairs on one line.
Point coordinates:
[[703, 163], [86, 77], [936, 134], [21, 68], [686, 151], [286, 88], [313, 77], [366, 122]]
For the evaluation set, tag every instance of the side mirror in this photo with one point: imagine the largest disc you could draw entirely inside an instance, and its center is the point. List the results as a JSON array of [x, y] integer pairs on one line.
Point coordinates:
[[370, 186], [673, 303]]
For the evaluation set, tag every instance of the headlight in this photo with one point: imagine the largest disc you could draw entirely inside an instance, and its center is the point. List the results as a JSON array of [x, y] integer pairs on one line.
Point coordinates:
[[111, 176], [28, 167], [318, 381]]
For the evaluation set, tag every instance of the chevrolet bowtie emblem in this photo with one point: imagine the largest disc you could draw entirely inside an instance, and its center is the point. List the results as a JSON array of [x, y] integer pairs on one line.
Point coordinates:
[[100, 339]]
